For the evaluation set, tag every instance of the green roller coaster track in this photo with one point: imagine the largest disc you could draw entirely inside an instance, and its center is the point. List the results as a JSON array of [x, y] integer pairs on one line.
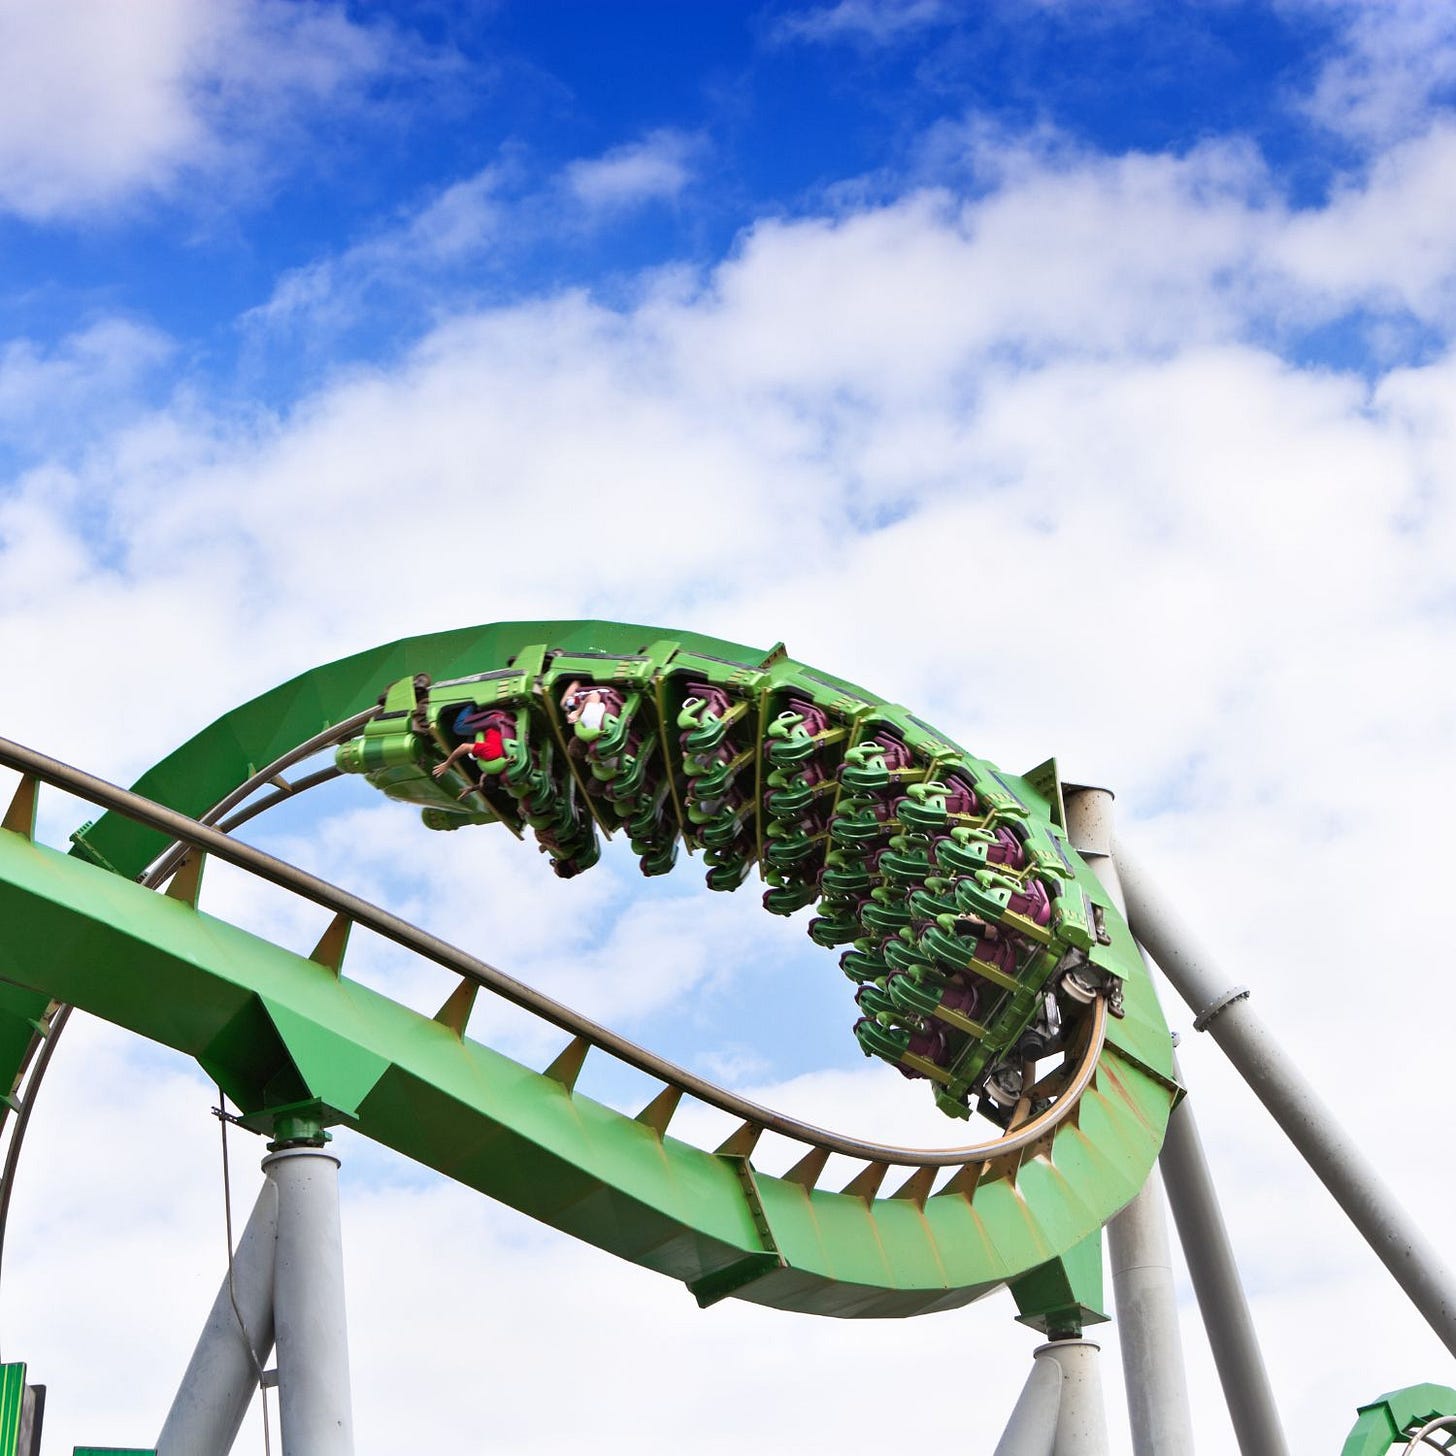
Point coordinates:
[[297, 1044], [1417, 1415]]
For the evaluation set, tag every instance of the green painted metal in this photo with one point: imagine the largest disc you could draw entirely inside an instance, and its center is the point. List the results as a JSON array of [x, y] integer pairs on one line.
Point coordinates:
[[950, 880], [22, 1408], [12, 1407], [1063, 1296], [1390, 1420], [277, 1029], [284, 1034]]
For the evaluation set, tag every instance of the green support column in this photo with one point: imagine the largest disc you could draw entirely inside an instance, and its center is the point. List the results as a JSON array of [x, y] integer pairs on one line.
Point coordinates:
[[1063, 1296]]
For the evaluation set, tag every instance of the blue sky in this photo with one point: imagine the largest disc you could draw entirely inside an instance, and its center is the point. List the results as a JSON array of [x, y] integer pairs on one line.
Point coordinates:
[[238, 178], [1080, 375]]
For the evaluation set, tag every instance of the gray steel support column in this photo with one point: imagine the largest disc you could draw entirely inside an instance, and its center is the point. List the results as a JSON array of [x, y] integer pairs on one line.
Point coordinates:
[[1341, 1167], [1137, 1238], [1147, 1326], [1221, 1300], [1082, 1418], [222, 1375], [308, 1301], [1032, 1429]]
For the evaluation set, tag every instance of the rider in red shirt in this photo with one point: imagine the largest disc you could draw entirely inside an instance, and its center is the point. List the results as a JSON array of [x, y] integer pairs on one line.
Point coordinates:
[[492, 746]]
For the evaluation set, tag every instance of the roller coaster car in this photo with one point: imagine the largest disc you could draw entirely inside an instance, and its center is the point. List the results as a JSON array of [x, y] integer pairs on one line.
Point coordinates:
[[863, 963], [795, 735], [784, 898], [613, 746], [718, 799], [792, 793], [923, 1050], [948, 890], [930, 805], [875, 763], [526, 770], [967, 849], [705, 717]]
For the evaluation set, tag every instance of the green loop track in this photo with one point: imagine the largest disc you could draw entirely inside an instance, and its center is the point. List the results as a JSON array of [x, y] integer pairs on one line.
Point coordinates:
[[986, 956]]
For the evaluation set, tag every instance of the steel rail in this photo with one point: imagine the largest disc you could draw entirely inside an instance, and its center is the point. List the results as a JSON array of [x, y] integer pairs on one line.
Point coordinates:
[[172, 856], [289, 877], [37, 1065], [1432, 1428], [297, 787], [152, 876]]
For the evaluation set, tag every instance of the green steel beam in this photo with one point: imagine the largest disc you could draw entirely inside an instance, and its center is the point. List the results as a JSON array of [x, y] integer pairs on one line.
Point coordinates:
[[213, 762], [22, 1408], [276, 1028], [199, 773], [279, 1030], [12, 1407], [1063, 1296], [1389, 1420]]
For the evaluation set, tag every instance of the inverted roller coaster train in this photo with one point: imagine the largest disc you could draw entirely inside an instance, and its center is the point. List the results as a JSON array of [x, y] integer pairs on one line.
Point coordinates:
[[982, 917]]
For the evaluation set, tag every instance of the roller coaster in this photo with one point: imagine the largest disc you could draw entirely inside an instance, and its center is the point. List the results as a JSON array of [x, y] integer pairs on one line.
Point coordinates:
[[981, 918]]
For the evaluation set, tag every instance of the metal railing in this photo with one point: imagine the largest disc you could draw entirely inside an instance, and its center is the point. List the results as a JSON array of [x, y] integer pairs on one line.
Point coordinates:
[[191, 833]]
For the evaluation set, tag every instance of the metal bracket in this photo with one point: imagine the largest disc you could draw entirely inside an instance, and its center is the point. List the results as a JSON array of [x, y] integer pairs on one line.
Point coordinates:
[[84, 849], [752, 1266], [1173, 1085], [1218, 1004]]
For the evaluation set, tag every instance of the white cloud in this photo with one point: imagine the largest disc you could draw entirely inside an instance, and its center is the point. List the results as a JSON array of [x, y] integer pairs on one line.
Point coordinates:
[[1387, 242], [1032, 463], [101, 104], [656, 168], [876, 22], [1389, 65], [1026, 268], [92, 375], [451, 228], [433, 256]]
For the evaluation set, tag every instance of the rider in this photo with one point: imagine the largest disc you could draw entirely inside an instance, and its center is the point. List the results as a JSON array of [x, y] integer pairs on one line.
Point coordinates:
[[587, 708], [492, 746]]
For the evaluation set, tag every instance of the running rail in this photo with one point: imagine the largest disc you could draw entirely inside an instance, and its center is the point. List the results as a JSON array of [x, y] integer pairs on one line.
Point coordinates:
[[46, 1034], [355, 911], [280, 1030]]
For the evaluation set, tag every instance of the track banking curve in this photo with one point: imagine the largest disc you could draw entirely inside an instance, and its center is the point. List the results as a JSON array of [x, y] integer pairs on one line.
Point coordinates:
[[279, 1029]]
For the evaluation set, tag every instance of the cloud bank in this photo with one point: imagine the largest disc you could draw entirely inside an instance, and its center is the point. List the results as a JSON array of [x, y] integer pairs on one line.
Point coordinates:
[[1131, 456]]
